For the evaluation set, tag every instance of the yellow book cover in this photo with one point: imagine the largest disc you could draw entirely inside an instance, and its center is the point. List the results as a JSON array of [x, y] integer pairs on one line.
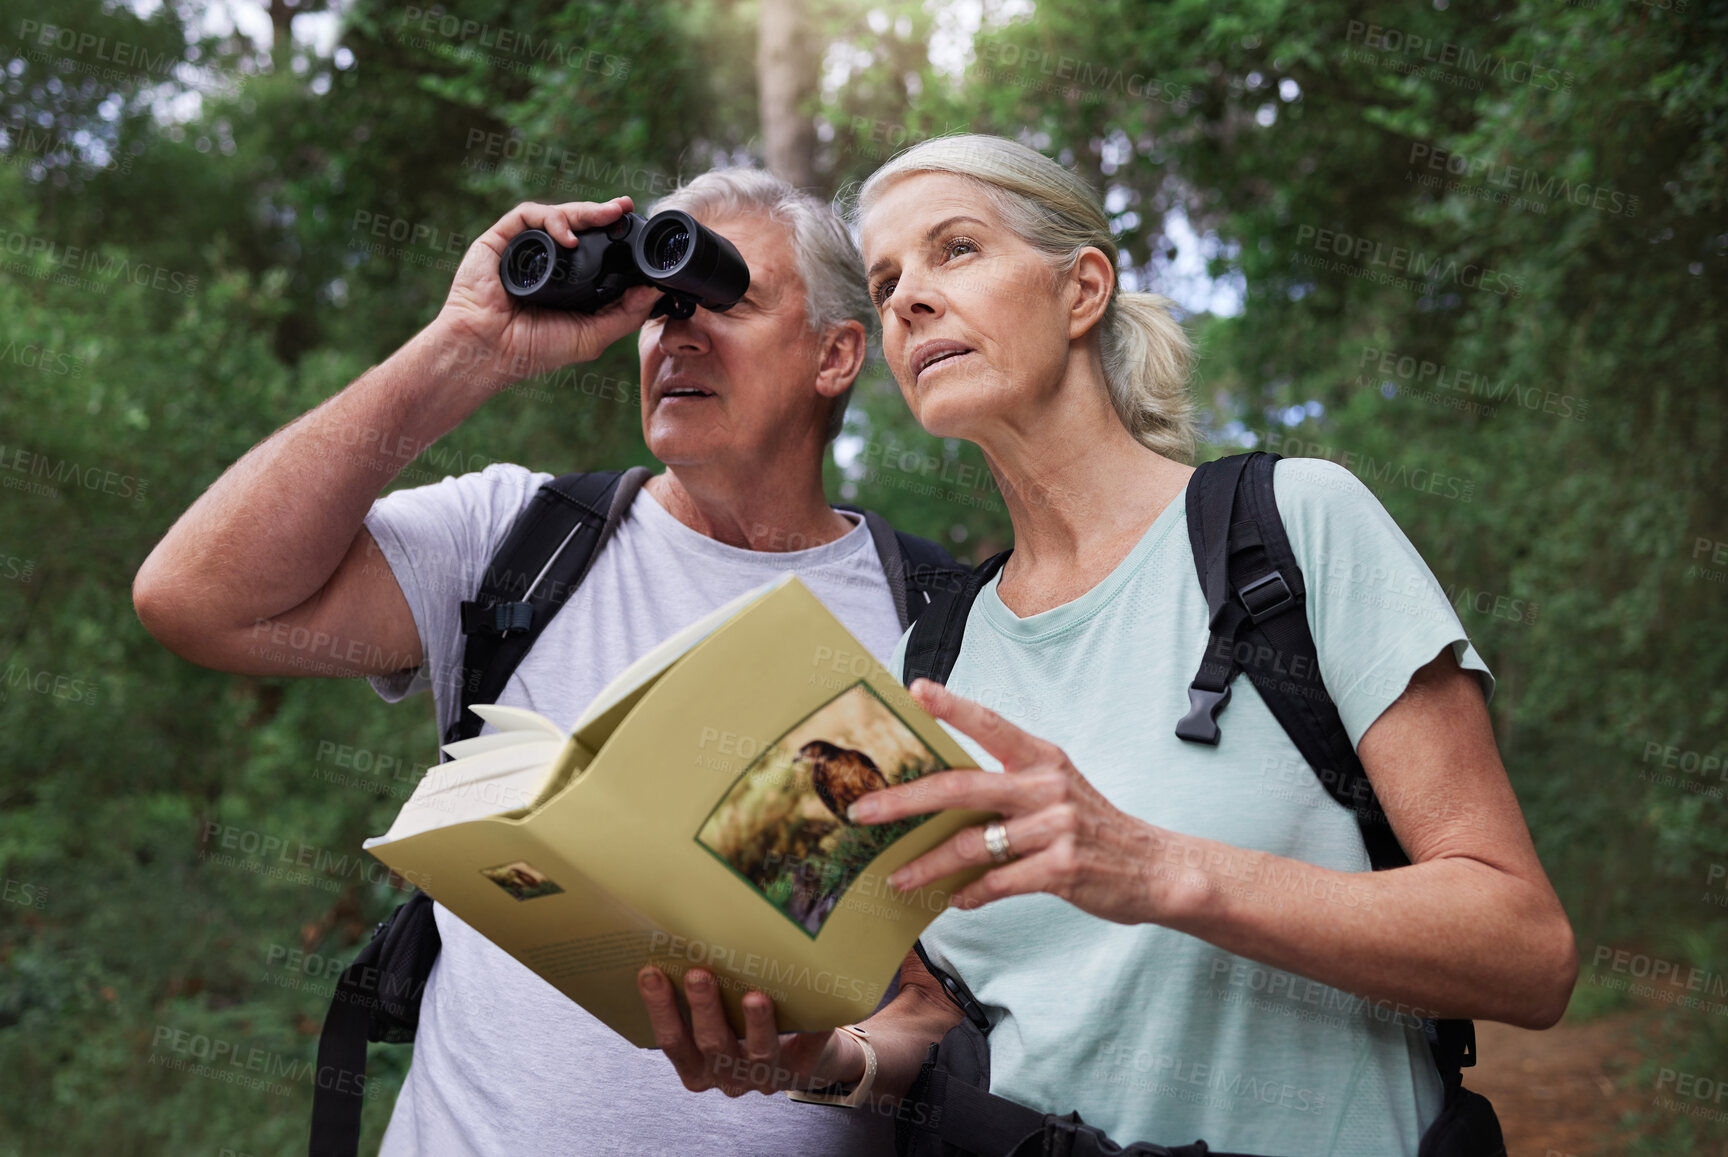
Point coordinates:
[[695, 817]]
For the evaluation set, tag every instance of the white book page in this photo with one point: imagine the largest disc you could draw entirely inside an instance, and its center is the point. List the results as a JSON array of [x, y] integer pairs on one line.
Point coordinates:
[[477, 786]]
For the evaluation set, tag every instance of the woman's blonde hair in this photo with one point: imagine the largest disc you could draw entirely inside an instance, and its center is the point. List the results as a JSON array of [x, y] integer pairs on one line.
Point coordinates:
[[1146, 353]]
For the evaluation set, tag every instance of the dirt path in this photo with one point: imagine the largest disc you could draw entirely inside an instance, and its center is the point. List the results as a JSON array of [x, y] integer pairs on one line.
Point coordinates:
[[1559, 1093]]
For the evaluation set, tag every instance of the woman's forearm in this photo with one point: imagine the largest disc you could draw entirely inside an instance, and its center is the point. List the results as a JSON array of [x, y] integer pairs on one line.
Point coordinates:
[[1449, 937]]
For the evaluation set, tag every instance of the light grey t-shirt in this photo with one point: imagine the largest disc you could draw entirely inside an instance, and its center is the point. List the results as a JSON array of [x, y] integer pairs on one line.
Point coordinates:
[[504, 1063]]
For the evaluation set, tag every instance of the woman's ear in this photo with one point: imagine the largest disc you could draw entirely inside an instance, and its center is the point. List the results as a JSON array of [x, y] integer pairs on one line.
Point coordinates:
[[1091, 284]]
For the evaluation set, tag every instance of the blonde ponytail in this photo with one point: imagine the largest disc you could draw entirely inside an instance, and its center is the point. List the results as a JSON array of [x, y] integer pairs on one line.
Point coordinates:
[[1146, 354], [1147, 358]]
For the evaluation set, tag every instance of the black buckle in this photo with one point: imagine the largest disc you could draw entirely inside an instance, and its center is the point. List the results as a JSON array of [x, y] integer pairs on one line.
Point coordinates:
[[1280, 597], [497, 619], [1200, 725]]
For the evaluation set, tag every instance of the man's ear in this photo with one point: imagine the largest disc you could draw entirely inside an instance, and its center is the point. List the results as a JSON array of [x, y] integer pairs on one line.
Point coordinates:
[[843, 349], [1090, 285]]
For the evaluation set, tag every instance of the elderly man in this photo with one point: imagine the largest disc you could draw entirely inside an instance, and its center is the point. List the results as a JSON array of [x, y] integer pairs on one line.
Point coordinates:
[[739, 406]]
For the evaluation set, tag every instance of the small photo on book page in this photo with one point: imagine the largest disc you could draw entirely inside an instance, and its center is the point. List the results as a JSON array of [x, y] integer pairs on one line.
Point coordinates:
[[782, 825]]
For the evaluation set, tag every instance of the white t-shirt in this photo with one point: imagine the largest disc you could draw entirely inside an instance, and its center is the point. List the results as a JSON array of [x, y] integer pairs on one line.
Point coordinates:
[[1149, 1033], [503, 1062]]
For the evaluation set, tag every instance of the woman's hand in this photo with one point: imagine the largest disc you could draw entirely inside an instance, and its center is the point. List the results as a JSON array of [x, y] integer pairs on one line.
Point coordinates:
[[1067, 839], [708, 1056]]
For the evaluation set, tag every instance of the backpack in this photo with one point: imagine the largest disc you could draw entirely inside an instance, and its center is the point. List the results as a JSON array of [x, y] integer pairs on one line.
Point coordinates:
[[1255, 598], [543, 559]]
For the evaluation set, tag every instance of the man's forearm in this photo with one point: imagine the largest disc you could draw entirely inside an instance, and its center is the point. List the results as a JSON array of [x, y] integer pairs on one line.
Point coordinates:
[[272, 529]]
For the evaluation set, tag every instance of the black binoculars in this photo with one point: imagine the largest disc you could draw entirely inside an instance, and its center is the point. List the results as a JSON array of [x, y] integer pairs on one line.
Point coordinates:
[[694, 265]]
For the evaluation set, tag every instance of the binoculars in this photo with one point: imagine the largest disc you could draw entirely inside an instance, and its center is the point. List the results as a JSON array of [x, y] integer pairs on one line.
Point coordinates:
[[694, 265]]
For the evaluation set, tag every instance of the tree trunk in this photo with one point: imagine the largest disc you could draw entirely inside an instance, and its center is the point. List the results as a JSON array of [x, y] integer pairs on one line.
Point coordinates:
[[786, 67]]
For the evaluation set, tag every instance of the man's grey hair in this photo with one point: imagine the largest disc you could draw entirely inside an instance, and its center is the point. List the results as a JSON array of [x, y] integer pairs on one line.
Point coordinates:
[[827, 258]]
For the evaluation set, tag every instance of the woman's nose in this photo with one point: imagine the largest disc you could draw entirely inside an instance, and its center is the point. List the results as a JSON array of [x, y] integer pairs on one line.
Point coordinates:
[[915, 294]]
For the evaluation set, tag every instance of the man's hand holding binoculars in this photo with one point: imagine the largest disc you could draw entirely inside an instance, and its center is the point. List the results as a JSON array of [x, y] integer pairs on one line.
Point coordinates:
[[554, 284], [497, 338]]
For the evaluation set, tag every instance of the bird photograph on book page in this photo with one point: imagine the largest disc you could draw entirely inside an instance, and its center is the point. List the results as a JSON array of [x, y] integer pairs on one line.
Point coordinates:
[[782, 825]]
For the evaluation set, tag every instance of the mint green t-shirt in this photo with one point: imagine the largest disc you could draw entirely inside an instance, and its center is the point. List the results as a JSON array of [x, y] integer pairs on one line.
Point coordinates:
[[1152, 1034]]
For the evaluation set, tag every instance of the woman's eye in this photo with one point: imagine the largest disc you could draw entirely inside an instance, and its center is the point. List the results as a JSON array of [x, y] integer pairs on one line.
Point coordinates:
[[882, 292], [959, 246]]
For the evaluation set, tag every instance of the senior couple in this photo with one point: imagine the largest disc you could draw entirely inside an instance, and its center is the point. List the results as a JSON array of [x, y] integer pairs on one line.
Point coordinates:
[[1147, 1000]]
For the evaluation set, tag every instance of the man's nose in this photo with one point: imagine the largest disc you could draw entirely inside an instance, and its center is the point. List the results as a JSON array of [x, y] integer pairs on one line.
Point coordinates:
[[685, 335]]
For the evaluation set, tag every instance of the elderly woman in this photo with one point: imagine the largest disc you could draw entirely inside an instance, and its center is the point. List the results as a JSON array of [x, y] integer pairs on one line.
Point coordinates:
[[1178, 941]]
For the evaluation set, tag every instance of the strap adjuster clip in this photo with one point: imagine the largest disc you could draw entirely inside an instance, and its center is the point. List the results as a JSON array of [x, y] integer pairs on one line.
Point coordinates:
[[1266, 596], [497, 619], [507, 617]]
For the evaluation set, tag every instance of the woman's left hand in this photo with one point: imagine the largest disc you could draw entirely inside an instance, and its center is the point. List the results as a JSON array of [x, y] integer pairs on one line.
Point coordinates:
[[1065, 838]]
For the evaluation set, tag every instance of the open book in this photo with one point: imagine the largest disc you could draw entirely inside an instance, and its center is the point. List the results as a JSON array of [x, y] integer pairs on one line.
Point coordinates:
[[694, 816]]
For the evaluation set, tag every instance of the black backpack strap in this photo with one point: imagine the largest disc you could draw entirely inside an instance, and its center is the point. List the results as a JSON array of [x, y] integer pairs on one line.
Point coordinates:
[[916, 568], [539, 565], [376, 998], [956, 990], [1211, 497], [1257, 602], [935, 641]]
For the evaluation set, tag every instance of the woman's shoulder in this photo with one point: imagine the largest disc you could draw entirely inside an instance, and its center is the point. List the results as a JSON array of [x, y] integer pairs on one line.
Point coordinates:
[[1324, 502], [1318, 481]]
